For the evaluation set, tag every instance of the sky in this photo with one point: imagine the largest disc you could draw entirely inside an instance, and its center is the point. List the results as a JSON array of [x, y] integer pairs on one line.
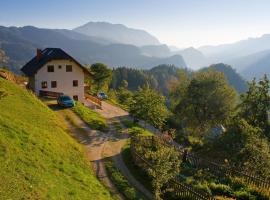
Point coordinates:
[[182, 23]]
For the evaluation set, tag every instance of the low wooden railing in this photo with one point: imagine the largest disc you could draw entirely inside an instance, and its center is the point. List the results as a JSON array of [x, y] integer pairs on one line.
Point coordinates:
[[44, 93], [180, 189], [218, 170], [93, 99]]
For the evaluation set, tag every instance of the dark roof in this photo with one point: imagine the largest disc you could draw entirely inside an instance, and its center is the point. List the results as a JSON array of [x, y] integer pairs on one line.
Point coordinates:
[[48, 54]]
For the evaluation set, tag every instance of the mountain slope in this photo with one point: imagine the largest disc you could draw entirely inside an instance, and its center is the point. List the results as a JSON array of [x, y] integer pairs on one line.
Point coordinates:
[[156, 50], [117, 33], [234, 79], [258, 68], [20, 45], [78, 36], [38, 158], [253, 65], [193, 57], [237, 49]]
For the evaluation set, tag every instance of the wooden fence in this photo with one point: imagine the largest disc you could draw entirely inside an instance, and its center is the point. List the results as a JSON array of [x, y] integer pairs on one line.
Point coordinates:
[[175, 187], [218, 170], [44, 93], [93, 99]]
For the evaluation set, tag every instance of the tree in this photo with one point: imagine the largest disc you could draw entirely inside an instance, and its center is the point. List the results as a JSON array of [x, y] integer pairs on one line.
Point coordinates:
[[205, 101], [124, 96], [149, 106], [101, 76], [246, 147], [256, 104], [165, 166], [178, 87], [135, 78]]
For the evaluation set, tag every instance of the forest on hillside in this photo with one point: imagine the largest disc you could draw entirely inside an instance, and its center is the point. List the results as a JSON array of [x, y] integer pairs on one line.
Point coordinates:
[[212, 113]]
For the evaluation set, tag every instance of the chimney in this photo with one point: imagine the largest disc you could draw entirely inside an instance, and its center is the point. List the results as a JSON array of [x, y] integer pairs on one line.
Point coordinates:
[[39, 54]]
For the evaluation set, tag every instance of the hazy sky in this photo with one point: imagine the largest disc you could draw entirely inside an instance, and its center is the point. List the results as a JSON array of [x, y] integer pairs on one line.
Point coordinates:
[[175, 22]]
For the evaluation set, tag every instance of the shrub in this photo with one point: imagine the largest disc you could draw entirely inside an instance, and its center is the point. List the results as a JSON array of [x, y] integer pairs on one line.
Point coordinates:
[[244, 195], [221, 189], [121, 183], [130, 193], [117, 126], [128, 123], [134, 131], [259, 195], [203, 187], [92, 118], [237, 183]]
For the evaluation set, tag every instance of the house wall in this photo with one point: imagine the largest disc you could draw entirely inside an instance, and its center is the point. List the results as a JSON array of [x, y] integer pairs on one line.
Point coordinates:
[[64, 79]]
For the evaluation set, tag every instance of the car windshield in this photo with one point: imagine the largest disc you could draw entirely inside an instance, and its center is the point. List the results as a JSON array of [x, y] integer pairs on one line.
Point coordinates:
[[65, 98], [102, 93]]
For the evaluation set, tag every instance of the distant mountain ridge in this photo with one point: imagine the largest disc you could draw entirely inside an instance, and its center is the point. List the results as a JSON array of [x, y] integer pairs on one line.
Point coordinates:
[[117, 33], [234, 79], [20, 43], [250, 57], [110, 44], [237, 49], [193, 57]]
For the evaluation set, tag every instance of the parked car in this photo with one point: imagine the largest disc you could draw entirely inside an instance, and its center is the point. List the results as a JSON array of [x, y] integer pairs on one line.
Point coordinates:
[[102, 95], [65, 101]]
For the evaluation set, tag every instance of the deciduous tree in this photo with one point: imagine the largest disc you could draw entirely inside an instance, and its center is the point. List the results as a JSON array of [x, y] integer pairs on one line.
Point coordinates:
[[101, 76], [165, 166], [149, 105], [205, 102], [256, 105]]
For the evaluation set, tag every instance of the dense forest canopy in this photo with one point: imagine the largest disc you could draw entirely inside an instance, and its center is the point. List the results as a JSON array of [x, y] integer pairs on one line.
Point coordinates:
[[232, 76], [161, 76]]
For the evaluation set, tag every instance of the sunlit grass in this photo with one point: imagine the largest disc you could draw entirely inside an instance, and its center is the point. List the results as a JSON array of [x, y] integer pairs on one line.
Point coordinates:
[[38, 158]]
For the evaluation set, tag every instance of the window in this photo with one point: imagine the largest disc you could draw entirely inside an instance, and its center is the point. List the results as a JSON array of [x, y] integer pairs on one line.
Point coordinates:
[[69, 68], [44, 84], [75, 83], [50, 68], [75, 97], [53, 84], [59, 66]]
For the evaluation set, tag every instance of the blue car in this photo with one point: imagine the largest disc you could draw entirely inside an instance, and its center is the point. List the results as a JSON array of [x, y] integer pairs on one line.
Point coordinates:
[[65, 101], [102, 96]]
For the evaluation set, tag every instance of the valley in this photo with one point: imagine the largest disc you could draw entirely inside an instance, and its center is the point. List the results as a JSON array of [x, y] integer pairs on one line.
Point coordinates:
[[134, 100]]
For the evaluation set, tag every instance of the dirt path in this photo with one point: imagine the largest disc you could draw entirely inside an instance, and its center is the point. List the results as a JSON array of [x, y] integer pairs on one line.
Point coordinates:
[[101, 145], [94, 143], [120, 164], [110, 112], [116, 114]]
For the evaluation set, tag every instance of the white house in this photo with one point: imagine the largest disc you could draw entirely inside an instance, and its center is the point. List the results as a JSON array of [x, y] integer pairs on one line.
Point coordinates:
[[53, 71]]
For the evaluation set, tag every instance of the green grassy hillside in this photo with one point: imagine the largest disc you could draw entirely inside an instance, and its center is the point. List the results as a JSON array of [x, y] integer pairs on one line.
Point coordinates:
[[38, 158]]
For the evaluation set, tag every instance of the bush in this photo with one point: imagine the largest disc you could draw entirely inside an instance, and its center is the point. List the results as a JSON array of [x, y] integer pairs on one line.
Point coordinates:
[[130, 193], [135, 131], [92, 118], [121, 183], [203, 187], [128, 123], [244, 195], [221, 189], [195, 142], [259, 195]]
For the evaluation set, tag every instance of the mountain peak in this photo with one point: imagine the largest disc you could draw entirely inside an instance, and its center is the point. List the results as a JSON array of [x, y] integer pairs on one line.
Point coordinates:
[[117, 33]]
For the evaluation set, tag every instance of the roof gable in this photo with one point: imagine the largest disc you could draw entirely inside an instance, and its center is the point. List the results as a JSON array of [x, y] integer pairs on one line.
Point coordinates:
[[47, 55]]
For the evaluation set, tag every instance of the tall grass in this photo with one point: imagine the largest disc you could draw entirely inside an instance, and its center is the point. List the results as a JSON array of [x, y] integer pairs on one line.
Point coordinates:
[[38, 158], [92, 118]]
